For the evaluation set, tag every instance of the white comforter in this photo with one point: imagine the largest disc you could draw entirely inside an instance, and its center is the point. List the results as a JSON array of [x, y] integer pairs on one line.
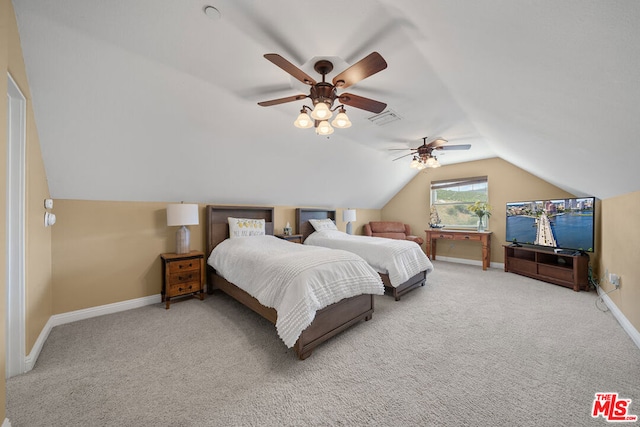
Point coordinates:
[[294, 279], [400, 259]]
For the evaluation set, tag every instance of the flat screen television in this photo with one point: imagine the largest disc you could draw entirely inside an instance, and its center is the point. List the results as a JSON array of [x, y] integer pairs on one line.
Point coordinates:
[[565, 224]]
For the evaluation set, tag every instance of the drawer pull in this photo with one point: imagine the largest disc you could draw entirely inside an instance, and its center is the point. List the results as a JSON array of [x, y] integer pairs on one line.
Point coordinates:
[[466, 237]]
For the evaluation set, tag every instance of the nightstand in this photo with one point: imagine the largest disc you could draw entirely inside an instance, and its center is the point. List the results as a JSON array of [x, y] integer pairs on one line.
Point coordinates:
[[295, 238], [182, 274]]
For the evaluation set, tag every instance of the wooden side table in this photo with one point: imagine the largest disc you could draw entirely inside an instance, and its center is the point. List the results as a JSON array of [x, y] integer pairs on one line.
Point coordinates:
[[182, 274], [295, 238], [484, 237]]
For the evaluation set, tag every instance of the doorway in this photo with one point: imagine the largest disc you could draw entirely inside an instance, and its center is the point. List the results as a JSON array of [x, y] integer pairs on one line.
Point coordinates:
[[15, 214]]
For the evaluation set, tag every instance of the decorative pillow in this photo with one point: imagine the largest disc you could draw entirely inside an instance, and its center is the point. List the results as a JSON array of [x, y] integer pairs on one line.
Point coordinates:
[[323, 224], [244, 227]]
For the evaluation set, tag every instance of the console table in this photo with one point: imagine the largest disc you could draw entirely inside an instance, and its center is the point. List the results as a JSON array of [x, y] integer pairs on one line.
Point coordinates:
[[483, 237]]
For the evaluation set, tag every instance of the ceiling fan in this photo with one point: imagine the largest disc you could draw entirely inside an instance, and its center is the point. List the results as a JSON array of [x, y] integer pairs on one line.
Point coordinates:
[[423, 155], [323, 94]]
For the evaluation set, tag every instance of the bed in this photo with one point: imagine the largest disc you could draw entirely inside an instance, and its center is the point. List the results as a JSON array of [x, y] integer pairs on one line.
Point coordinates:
[[326, 322], [397, 281]]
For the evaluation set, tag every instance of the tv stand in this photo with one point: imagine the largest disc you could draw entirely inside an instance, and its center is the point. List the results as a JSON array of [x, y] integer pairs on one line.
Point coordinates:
[[569, 270]]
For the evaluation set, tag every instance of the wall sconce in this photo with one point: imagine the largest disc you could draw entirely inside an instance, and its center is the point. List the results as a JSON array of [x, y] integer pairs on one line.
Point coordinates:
[[182, 215]]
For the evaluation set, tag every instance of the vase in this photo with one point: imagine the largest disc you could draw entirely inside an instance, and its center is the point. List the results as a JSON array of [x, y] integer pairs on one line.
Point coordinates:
[[482, 226]]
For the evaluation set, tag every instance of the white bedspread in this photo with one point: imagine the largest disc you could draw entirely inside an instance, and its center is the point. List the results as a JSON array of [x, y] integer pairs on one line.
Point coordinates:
[[400, 259], [294, 279]]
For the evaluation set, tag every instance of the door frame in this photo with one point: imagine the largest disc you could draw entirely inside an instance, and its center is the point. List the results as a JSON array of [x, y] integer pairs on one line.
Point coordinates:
[[15, 224]]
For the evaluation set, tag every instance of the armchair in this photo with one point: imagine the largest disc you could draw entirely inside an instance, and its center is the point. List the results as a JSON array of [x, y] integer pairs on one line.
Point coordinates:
[[391, 230]]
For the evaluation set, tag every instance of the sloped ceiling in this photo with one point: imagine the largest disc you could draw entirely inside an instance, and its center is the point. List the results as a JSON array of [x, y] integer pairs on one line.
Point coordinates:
[[151, 100]]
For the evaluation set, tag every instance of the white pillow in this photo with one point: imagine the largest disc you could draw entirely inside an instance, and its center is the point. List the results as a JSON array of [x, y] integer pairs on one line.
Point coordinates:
[[244, 227], [323, 224]]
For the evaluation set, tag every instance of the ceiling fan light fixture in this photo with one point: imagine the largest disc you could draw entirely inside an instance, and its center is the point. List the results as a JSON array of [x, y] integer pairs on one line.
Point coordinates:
[[303, 121], [321, 111], [414, 163], [342, 120], [324, 128], [432, 162]]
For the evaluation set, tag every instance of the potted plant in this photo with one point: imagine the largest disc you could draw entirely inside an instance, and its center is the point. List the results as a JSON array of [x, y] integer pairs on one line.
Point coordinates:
[[481, 210]]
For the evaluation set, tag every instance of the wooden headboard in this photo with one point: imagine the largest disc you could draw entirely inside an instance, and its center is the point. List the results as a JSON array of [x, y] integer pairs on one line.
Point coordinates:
[[218, 225], [303, 215]]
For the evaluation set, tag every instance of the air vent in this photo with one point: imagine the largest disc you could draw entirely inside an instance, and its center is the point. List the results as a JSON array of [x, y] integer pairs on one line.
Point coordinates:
[[385, 118]]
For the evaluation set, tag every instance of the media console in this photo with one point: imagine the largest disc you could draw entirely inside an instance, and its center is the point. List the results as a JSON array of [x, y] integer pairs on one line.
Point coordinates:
[[569, 270]]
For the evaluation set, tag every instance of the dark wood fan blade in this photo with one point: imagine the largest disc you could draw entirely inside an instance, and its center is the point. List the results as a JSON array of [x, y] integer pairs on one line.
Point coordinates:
[[367, 66], [454, 147], [281, 100], [402, 157], [362, 102], [290, 68]]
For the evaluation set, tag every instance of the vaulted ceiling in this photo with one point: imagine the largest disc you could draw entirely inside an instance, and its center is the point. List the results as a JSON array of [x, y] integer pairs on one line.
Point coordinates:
[[152, 100]]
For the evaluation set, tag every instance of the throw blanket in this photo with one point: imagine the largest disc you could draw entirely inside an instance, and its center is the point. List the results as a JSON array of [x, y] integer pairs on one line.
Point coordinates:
[[400, 259], [294, 279]]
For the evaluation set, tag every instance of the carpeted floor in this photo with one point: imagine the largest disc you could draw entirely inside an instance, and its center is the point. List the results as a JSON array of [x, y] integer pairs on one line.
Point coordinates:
[[471, 348]]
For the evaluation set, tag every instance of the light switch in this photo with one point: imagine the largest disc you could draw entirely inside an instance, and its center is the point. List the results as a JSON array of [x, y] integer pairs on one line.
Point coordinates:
[[48, 203]]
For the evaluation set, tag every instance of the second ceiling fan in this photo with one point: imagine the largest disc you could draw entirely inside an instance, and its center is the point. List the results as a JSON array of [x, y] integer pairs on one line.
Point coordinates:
[[323, 94], [423, 155]]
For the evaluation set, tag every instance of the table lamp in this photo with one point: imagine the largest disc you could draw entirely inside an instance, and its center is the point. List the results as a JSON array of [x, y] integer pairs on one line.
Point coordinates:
[[349, 215], [182, 215]]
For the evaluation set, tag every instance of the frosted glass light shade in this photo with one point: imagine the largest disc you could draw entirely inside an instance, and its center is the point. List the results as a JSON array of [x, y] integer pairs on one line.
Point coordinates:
[[321, 111], [303, 121], [342, 120], [182, 214], [324, 128]]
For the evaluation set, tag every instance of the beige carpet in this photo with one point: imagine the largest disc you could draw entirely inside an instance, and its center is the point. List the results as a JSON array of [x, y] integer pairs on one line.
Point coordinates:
[[471, 348]]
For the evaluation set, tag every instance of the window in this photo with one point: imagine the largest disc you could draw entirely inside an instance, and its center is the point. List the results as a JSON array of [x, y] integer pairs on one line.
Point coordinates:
[[451, 199]]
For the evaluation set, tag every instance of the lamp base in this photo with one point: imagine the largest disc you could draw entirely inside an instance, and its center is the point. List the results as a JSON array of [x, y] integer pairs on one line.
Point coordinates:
[[182, 240], [349, 228]]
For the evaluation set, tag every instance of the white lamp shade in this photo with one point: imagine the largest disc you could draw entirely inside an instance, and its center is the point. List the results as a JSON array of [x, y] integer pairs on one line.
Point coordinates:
[[349, 215], [321, 111], [303, 121], [182, 214], [341, 121], [324, 128]]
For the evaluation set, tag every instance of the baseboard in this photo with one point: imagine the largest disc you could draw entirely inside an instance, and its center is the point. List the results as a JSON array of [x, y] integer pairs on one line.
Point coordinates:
[[469, 261], [74, 316], [620, 317]]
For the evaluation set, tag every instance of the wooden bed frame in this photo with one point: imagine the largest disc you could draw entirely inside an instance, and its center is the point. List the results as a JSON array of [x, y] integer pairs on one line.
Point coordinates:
[[328, 321], [304, 227]]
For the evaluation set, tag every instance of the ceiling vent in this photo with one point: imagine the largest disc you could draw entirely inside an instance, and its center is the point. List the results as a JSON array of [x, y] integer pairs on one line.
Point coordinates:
[[385, 118]]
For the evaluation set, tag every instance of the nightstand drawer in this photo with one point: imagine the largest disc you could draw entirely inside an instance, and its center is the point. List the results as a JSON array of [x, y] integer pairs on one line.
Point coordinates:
[[184, 276], [176, 289], [179, 266]]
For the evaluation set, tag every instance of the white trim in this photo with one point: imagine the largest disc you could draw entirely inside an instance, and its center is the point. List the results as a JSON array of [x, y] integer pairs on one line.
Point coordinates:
[[469, 261], [624, 322], [73, 316], [6, 423], [15, 230]]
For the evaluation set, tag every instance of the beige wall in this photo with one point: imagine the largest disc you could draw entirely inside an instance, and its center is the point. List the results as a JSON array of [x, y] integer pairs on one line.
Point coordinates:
[[107, 252], [38, 291], [619, 247], [616, 236], [507, 183]]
